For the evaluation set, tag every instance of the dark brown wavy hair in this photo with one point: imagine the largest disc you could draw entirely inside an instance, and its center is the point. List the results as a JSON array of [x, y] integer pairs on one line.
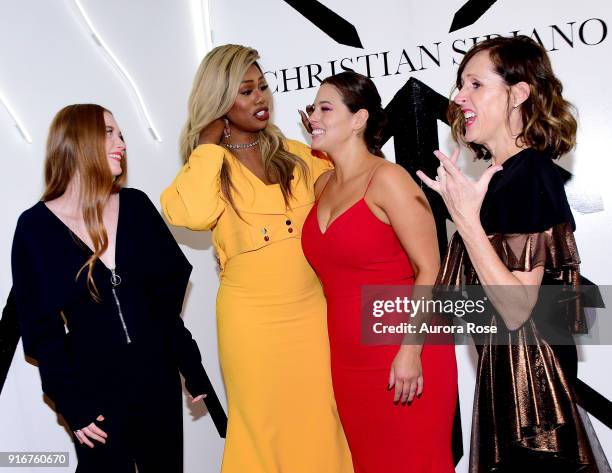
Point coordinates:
[[359, 92], [549, 122], [76, 146]]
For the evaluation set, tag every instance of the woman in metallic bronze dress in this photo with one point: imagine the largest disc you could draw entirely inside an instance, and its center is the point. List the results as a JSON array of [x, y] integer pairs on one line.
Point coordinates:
[[515, 236]]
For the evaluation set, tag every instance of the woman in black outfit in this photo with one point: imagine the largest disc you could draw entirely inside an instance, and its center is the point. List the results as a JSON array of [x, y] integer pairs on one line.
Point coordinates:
[[514, 235], [99, 285]]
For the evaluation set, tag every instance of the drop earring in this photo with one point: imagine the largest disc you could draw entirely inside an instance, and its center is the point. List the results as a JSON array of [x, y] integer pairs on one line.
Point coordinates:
[[226, 129]]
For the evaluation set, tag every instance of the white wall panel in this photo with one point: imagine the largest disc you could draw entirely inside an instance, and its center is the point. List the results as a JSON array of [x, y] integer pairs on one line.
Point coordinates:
[[49, 60]]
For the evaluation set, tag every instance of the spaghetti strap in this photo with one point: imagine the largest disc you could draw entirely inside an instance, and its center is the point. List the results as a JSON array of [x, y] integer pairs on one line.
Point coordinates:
[[325, 186], [369, 181]]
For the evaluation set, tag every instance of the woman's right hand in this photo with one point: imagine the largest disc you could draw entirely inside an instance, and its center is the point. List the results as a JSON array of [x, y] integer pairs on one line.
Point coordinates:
[[92, 431], [406, 374], [213, 133]]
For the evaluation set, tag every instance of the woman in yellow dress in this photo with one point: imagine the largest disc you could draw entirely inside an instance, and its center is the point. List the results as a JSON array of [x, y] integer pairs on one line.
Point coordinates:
[[249, 184]]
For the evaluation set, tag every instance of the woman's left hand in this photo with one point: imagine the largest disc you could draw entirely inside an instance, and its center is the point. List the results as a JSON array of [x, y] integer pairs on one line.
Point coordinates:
[[304, 117], [197, 398], [463, 197], [406, 374]]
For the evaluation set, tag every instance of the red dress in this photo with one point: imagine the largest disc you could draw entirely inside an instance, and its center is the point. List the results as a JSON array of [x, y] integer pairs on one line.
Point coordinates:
[[359, 249]]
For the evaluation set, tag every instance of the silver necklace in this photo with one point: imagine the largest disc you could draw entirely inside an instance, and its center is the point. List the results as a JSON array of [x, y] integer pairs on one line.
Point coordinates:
[[242, 146]]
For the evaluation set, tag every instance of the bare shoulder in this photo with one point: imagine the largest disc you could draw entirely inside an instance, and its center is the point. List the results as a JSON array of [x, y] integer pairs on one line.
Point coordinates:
[[391, 179]]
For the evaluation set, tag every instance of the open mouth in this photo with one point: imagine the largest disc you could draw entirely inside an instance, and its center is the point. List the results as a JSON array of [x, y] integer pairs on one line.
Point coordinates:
[[317, 132], [470, 117], [116, 156], [262, 114]]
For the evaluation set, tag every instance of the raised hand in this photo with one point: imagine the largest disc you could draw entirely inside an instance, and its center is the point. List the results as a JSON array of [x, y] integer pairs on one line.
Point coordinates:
[[463, 196], [304, 117], [214, 132]]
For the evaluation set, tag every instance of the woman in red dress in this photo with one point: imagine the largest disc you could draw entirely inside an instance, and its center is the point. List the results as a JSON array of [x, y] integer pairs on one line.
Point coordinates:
[[372, 225]]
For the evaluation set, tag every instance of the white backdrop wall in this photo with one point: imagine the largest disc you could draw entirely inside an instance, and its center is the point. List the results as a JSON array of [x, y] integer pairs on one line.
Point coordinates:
[[48, 59]]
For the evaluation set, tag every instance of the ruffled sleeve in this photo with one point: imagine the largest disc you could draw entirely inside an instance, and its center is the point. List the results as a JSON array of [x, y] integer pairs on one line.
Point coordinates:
[[554, 248], [529, 223]]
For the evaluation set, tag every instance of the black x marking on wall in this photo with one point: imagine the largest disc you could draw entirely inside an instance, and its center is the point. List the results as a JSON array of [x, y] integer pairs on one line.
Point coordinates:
[[470, 13], [328, 21]]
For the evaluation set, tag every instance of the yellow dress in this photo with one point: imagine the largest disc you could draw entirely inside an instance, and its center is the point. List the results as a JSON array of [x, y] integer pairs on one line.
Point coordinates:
[[271, 316]]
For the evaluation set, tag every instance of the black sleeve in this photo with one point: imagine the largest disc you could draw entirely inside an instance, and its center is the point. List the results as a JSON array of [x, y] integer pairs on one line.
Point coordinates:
[[43, 334], [9, 336], [527, 196], [170, 293]]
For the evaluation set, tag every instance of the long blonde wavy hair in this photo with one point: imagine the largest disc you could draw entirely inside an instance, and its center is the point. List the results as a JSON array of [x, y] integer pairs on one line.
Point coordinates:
[[76, 146], [215, 88]]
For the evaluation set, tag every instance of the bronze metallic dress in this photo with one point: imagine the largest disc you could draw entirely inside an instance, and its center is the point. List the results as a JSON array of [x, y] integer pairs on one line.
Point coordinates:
[[525, 415]]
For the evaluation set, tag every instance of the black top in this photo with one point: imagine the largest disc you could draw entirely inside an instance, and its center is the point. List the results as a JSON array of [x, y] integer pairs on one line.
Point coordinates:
[[527, 196], [88, 358]]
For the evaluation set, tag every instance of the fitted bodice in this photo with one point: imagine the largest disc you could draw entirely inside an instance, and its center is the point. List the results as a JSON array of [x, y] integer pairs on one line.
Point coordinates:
[[356, 249]]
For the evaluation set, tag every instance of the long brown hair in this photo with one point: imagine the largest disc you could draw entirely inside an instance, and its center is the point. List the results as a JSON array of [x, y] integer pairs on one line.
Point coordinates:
[[76, 148], [549, 122], [214, 91]]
